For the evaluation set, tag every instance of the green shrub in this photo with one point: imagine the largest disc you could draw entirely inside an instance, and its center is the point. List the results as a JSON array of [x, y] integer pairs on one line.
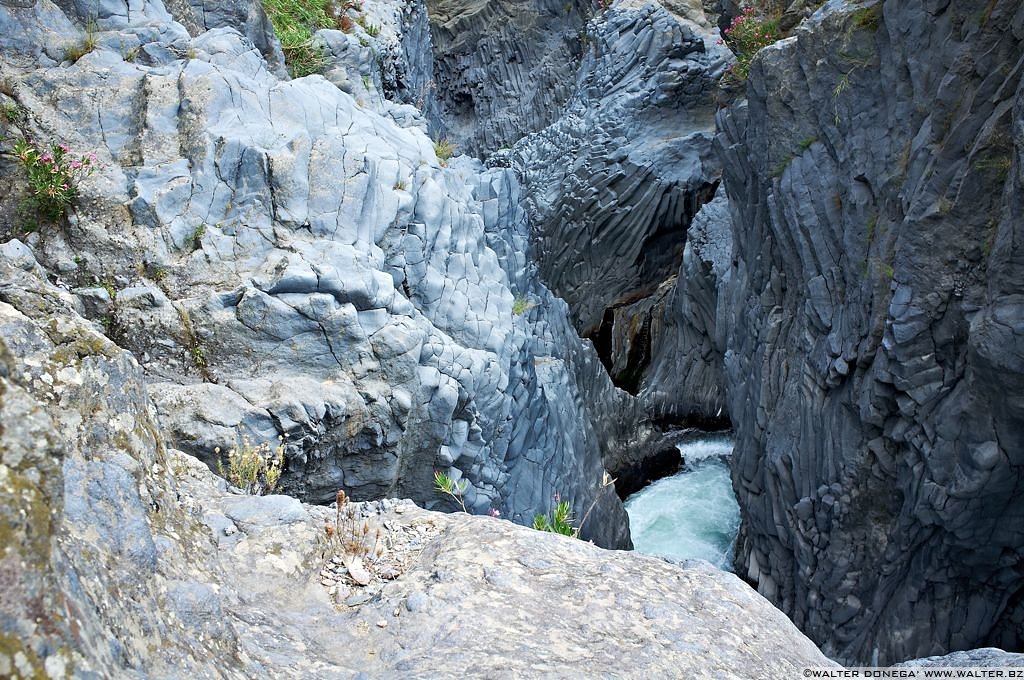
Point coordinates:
[[747, 35], [445, 149], [254, 469], [560, 521], [521, 305], [53, 176]]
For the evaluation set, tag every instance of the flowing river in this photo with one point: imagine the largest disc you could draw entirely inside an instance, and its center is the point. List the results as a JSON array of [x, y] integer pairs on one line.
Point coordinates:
[[692, 514]]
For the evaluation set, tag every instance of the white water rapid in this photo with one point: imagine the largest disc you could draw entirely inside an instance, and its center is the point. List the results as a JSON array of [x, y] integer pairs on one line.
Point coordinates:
[[692, 514]]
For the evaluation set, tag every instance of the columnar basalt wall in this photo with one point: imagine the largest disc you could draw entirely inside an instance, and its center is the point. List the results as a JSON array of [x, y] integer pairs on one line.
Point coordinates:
[[874, 352], [503, 69]]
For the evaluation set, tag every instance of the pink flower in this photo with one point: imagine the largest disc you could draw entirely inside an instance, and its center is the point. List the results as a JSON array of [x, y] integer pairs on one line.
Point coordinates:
[[64, 147], [47, 158], [92, 158], [494, 513], [557, 497], [75, 165]]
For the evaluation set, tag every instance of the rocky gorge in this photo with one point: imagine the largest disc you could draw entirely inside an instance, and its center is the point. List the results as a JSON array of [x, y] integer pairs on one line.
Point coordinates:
[[825, 259]]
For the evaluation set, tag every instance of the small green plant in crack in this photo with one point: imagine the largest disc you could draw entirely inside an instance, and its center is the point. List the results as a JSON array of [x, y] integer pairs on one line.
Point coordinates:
[[199, 358], [194, 240], [400, 185], [192, 345], [990, 237], [560, 519], [131, 55], [108, 286], [11, 113], [781, 166], [999, 164], [867, 18], [843, 85], [451, 488], [253, 469], [806, 143], [872, 224], [372, 30], [521, 305], [444, 149], [859, 59], [88, 44], [367, 83], [986, 14]]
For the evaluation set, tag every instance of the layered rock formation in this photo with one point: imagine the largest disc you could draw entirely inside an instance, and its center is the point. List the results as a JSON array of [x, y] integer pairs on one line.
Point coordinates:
[[874, 355], [122, 557], [502, 69], [612, 189], [289, 260]]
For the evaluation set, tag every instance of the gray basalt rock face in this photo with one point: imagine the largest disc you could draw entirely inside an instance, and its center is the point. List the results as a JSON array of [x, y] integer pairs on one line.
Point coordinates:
[[287, 262], [122, 557], [502, 70], [612, 187], [84, 483], [615, 182], [874, 354]]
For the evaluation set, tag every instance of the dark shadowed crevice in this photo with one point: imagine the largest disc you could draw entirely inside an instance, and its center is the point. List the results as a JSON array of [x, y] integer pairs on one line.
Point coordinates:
[[661, 464]]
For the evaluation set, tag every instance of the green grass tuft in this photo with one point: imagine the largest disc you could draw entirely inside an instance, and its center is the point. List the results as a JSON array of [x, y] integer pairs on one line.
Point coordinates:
[[867, 18], [88, 44], [521, 305], [294, 22], [445, 149]]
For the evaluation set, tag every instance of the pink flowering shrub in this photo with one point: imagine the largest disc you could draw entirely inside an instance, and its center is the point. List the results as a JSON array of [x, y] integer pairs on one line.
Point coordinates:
[[53, 175], [746, 35]]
